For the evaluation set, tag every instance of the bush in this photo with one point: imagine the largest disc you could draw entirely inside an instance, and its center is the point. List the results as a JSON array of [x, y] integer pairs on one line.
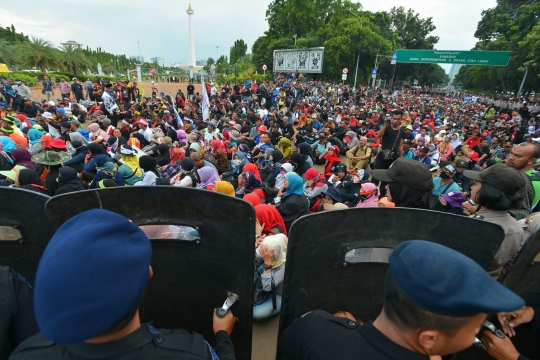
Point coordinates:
[[27, 77]]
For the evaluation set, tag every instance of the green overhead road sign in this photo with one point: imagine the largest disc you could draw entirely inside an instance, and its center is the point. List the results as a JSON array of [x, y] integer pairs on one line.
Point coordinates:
[[490, 58]]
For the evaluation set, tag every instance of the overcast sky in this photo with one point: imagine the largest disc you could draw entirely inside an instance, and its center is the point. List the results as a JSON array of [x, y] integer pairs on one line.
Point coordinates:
[[162, 27]]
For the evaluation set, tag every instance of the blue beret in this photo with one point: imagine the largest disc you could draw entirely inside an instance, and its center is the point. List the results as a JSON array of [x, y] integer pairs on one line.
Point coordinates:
[[92, 273], [446, 282]]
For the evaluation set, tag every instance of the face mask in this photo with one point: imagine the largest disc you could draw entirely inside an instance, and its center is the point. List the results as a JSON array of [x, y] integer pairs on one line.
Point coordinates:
[[237, 162], [444, 175]]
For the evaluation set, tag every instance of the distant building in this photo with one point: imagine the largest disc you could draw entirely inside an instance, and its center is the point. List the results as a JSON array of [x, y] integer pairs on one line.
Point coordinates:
[[454, 71], [201, 62], [185, 67], [138, 58], [73, 44], [159, 61]]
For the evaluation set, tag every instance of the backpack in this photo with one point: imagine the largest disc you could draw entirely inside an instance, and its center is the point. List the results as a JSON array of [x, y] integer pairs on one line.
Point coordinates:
[[195, 180], [336, 142], [269, 192], [259, 295], [212, 160]]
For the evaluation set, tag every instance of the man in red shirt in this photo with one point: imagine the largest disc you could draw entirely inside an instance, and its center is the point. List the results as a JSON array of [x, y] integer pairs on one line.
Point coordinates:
[[473, 140]]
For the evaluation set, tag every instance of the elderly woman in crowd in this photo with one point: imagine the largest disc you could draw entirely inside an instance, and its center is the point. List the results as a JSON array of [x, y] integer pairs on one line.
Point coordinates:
[[130, 169]]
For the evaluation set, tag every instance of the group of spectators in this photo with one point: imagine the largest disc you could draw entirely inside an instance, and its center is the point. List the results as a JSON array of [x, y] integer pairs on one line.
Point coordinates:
[[290, 147]]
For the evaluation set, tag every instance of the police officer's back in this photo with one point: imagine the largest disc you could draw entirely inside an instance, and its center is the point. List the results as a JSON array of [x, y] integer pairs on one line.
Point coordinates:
[[435, 300], [89, 283]]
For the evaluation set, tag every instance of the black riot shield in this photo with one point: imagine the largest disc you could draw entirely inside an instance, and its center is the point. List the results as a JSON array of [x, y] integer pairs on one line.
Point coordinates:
[[192, 274], [24, 230], [523, 278], [325, 272]]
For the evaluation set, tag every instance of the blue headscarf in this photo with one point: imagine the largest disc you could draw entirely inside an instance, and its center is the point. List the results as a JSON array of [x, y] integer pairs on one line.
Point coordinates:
[[8, 144], [242, 157], [250, 182], [34, 135], [296, 185]]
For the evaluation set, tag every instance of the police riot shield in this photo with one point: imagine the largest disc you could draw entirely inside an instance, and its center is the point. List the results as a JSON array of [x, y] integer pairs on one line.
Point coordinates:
[[337, 260], [523, 278], [24, 230], [203, 247]]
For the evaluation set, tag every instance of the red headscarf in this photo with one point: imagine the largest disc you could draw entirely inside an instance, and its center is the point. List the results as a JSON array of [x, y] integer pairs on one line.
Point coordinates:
[[252, 198], [249, 167], [218, 145], [270, 217]]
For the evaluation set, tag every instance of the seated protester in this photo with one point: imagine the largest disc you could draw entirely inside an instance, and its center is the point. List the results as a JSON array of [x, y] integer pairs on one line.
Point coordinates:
[[19, 140], [369, 195], [464, 182], [423, 157], [109, 170], [271, 254], [200, 162], [208, 176], [496, 190], [410, 183], [451, 202], [358, 157], [285, 146], [443, 184], [220, 154], [151, 174], [483, 151], [314, 186], [72, 269], [269, 221], [307, 152], [264, 144], [373, 141], [299, 163], [97, 156], [332, 159], [407, 152], [434, 155], [272, 169], [224, 187], [331, 196], [68, 181], [28, 179], [6, 162], [321, 150], [96, 134], [339, 175], [187, 176], [280, 178], [351, 140], [77, 156], [350, 188], [34, 143], [291, 202], [115, 142], [22, 157], [252, 198], [252, 168], [130, 169], [174, 152], [163, 157], [414, 323], [446, 149], [52, 162], [247, 182]]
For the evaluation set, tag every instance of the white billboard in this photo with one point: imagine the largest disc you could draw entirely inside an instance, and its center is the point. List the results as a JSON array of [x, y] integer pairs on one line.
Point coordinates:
[[302, 60]]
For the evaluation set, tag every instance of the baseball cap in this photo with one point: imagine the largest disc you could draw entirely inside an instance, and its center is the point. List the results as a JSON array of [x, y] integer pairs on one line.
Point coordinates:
[[461, 163], [262, 128], [455, 199], [454, 285], [93, 302], [408, 127], [408, 172], [504, 178], [47, 115], [473, 156], [508, 143]]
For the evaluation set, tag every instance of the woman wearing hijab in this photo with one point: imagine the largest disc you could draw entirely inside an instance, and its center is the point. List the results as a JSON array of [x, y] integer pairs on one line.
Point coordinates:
[[163, 155], [252, 198], [195, 147], [314, 186], [96, 134], [434, 155], [291, 201], [272, 169], [270, 262], [299, 164], [22, 157], [247, 182], [446, 149], [332, 159], [369, 195], [269, 220], [6, 162], [280, 178], [34, 144], [238, 161], [224, 187], [285, 146], [130, 169], [306, 150], [7, 144], [220, 154], [151, 174], [77, 156], [96, 158], [182, 136], [75, 136], [109, 171], [249, 167], [409, 183], [208, 176], [29, 179], [68, 181]]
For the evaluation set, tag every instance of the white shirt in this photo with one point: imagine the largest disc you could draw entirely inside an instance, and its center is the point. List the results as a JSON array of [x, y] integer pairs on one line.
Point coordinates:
[[146, 133]]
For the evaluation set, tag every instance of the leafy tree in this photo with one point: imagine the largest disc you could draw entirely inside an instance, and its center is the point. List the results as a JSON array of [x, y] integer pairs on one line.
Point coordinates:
[[209, 63], [41, 54], [222, 65], [238, 50], [7, 53], [412, 31], [74, 59]]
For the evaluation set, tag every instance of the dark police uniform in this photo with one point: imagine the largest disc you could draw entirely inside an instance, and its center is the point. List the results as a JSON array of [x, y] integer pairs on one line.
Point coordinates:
[[319, 335], [145, 343]]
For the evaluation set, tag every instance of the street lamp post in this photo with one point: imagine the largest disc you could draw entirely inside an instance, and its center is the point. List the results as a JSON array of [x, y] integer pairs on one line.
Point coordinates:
[[358, 53]]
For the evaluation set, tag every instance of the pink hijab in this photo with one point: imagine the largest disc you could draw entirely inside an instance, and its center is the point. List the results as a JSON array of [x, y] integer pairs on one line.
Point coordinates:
[[371, 192]]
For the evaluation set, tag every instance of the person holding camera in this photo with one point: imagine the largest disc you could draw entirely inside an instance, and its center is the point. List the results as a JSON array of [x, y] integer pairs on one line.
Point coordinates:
[[391, 136]]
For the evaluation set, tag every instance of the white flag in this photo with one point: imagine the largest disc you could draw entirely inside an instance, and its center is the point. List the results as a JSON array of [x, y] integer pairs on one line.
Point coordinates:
[[205, 104]]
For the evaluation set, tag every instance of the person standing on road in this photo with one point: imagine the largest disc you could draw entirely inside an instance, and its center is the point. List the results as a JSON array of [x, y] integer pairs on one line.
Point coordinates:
[[77, 89], [65, 88], [391, 136], [48, 88], [190, 91]]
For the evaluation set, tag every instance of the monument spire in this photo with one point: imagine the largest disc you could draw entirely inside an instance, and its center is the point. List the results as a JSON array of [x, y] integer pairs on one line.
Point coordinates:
[[192, 63]]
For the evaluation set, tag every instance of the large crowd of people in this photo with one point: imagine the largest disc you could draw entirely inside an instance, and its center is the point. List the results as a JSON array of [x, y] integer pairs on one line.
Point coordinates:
[[290, 147]]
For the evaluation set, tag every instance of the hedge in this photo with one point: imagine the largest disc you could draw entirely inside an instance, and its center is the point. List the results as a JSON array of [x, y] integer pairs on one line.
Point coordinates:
[[30, 77]]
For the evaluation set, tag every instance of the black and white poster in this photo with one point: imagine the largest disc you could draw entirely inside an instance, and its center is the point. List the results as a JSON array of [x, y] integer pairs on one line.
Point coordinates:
[[302, 60]]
